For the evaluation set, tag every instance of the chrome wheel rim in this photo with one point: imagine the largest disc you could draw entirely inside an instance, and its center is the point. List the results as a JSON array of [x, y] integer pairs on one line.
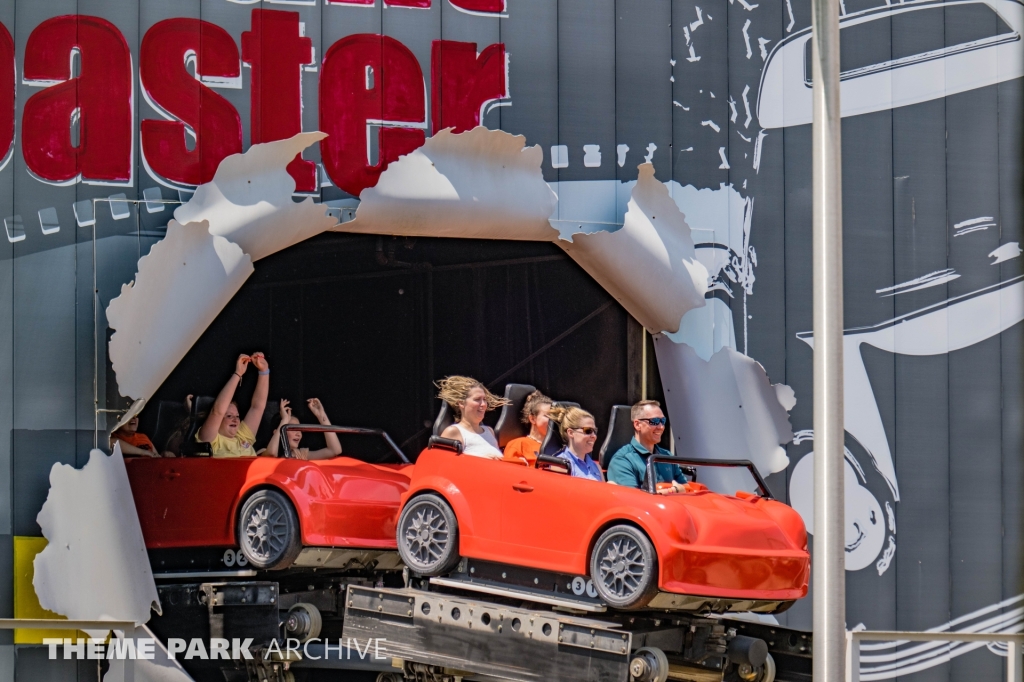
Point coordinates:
[[426, 536], [621, 566], [266, 531]]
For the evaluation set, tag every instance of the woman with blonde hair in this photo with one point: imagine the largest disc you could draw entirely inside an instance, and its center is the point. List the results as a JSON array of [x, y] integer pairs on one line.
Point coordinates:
[[535, 415], [470, 400], [577, 428]]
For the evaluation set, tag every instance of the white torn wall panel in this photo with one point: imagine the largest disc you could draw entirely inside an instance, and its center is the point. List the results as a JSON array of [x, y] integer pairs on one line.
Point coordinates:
[[244, 214], [182, 285], [725, 408], [95, 566], [249, 201], [160, 668], [649, 264], [481, 184]]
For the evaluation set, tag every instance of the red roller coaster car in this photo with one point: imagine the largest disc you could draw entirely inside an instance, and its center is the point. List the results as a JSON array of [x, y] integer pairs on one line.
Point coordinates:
[[279, 512], [693, 550]]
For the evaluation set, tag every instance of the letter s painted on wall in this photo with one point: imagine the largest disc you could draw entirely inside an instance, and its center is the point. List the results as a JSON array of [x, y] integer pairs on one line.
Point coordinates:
[[185, 101]]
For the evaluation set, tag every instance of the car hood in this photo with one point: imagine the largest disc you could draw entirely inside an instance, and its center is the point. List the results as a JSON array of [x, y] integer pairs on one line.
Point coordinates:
[[726, 521]]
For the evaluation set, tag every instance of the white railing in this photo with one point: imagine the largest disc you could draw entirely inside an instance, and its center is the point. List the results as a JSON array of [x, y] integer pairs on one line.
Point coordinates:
[[121, 670], [1013, 641]]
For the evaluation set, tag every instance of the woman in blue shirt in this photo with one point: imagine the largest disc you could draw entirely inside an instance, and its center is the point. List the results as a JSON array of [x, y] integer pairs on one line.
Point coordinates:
[[580, 434]]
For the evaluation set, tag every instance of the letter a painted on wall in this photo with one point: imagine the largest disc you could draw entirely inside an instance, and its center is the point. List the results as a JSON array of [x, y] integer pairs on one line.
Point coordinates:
[[97, 102]]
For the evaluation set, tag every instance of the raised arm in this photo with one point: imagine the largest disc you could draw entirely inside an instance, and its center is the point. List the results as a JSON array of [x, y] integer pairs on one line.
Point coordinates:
[[259, 397], [274, 445], [220, 406], [333, 448]]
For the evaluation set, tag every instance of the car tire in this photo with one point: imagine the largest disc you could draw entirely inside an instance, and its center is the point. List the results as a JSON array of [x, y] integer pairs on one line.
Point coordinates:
[[268, 531], [624, 568], [428, 536]]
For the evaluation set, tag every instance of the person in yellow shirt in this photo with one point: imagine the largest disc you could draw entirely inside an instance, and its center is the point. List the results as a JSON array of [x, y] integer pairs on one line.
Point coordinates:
[[227, 433]]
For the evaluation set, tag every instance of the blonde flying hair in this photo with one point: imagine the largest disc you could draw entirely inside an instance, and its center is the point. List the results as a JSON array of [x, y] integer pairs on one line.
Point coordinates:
[[532, 405], [568, 418], [455, 389]]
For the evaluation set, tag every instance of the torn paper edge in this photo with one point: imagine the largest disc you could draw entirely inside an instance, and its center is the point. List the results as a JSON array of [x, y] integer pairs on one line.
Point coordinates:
[[95, 565]]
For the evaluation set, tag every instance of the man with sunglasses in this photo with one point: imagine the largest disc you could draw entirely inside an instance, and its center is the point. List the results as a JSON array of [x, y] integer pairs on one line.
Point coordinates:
[[628, 465]]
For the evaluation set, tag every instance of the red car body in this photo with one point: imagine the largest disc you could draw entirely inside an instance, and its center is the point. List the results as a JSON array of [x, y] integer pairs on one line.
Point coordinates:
[[708, 544], [195, 501]]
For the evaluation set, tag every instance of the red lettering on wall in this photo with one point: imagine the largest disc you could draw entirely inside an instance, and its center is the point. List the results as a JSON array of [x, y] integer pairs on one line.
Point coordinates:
[[277, 52], [179, 96], [462, 83], [480, 6], [100, 98], [369, 80], [7, 79]]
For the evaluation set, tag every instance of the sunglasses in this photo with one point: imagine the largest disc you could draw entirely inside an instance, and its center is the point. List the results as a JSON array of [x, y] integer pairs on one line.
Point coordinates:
[[589, 431], [655, 421]]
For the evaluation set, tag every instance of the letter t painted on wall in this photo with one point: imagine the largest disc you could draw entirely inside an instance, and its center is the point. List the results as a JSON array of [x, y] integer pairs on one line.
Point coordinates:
[[276, 50]]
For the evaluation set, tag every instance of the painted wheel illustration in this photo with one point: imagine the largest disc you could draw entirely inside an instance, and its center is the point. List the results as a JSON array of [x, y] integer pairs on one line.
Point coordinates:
[[428, 536], [624, 568], [268, 530]]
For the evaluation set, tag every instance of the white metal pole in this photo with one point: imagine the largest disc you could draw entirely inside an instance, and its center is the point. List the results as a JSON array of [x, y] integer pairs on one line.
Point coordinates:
[[829, 555]]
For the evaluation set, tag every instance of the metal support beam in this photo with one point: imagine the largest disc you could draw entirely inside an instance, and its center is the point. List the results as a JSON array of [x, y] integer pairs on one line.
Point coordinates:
[[829, 555]]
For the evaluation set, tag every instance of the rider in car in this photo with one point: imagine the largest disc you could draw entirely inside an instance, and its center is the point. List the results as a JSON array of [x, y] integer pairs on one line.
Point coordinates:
[[535, 415], [470, 400], [333, 448], [227, 433], [628, 465], [580, 434]]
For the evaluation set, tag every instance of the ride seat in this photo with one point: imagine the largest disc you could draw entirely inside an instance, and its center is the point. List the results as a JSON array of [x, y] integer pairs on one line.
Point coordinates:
[[620, 432], [445, 418], [510, 425], [553, 442], [169, 414], [201, 405]]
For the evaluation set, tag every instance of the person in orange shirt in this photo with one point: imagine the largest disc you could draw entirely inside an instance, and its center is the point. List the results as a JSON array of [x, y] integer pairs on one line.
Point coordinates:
[[133, 443], [535, 415]]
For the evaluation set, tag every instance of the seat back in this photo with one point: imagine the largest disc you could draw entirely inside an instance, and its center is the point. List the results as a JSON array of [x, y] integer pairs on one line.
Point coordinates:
[[553, 442], [620, 432], [189, 447], [510, 425], [169, 415], [445, 418]]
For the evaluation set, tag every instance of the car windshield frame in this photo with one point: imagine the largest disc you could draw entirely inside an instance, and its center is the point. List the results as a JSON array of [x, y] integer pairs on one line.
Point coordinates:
[[330, 428], [688, 464]]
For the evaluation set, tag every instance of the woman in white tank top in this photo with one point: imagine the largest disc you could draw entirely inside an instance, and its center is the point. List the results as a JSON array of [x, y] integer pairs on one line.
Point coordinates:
[[470, 400]]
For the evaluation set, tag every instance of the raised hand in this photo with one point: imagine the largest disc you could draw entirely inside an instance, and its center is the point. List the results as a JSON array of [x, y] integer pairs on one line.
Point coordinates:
[[317, 408], [284, 410], [260, 361], [241, 364]]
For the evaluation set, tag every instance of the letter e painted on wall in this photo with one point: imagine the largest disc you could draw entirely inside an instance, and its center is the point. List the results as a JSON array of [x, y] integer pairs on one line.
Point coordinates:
[[369, 82], [192, 108], [96, 102], [464, 83], [276, 50]]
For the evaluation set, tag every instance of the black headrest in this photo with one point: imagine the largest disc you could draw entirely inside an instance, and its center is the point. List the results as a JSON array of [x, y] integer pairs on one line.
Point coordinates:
[[553, 442], [445, 418], [620, 432], [510, 425]]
